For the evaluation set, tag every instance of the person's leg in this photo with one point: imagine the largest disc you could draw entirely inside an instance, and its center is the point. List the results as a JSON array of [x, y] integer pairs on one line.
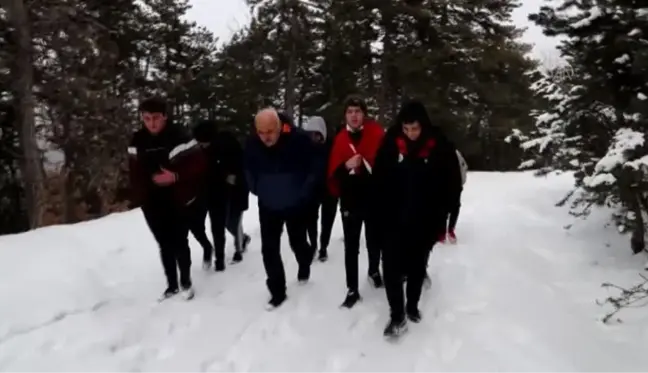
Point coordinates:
[[271, 225], [217, 217], [296, 225], [352, 226], [197, 214], [416, 273], [329, 210], [372, 241], [392, 260], [158, 223], [312, 218]]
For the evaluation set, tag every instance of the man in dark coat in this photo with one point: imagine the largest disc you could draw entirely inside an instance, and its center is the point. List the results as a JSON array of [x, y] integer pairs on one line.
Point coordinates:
[[166, 168], [316, 128], [282, 170], [226, 192], [416, 173]]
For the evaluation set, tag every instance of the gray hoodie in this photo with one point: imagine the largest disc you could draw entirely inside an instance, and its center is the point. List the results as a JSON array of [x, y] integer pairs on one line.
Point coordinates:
[[316, 124]]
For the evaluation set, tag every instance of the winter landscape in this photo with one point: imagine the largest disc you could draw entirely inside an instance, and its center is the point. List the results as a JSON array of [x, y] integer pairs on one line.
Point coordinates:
[[517, 293], [545, 103]]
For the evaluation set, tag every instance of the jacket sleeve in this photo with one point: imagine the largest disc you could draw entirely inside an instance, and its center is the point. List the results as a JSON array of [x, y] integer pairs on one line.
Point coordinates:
[[189, 161], [249, 167], [451, 172], [136, 177]]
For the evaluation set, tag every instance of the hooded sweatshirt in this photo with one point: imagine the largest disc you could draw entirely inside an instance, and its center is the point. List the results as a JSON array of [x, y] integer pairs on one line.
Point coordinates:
[[316, 124]]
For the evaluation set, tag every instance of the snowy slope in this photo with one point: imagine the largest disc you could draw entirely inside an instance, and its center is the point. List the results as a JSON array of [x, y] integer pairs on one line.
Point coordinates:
[[517, 293]]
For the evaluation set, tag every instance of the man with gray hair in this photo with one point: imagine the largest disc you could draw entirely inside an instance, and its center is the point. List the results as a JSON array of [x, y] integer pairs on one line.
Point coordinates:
[[282, 169]]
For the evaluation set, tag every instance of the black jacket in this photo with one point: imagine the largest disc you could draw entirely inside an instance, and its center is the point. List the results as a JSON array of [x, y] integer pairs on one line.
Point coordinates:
[[225, 158], [416, 181]]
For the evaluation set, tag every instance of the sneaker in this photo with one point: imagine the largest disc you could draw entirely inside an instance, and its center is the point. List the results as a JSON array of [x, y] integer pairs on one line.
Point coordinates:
[[414, 315], [452, 237], [219, 265], [238, 257], [395, 328], [276, 301], [168, 293], [376, 280], [351, 299], [442, 238], [188, 293]]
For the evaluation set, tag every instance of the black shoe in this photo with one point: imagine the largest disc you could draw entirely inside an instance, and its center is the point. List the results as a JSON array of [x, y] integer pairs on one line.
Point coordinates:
[[219, 266], [303, 275], [238, 257], [414, 315], [169, 292], [323, 256], [246, 242], [376, 280], [276, 301], [351, 299], [395, 328]]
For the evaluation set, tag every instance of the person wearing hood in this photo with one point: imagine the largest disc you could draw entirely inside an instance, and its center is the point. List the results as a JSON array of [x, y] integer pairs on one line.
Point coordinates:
[[316, 128], [282, 169], [417, 171], [350, 178], [226, 193]]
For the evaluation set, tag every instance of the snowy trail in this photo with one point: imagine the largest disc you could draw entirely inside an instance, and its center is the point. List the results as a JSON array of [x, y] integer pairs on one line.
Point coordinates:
[[517, 293]]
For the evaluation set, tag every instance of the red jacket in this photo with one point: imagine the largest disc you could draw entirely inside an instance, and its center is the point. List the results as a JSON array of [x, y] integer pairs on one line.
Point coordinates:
[[343, 149]]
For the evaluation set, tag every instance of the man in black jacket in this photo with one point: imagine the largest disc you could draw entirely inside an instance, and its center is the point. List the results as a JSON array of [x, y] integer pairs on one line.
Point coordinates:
[[166, 168], [282, 170], [226, 192], [416, 171], [316, 128]]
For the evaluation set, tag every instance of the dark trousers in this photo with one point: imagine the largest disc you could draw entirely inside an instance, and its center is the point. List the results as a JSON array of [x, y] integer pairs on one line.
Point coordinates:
[[234, 225], [272, 223], [170, 228], [352, 226], [404, 257], [453, 214], [198, 214], [328, 209]]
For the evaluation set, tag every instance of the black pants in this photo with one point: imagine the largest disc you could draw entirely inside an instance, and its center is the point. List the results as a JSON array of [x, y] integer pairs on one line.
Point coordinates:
[[272, 223], [170, 228], [352, 226], [198, 214], [328, 208], [454, 213], [234, 225], [405, 257]]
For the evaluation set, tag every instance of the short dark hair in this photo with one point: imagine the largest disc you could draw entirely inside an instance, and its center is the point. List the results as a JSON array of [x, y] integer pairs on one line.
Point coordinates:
[[204, 130], [357, 101], [154, 105]]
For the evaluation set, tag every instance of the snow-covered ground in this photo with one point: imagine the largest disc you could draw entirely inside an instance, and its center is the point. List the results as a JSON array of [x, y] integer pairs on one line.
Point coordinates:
[[517, 293]]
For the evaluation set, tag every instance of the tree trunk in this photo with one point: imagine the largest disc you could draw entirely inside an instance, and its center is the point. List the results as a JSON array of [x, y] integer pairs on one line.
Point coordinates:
[[22, 79]]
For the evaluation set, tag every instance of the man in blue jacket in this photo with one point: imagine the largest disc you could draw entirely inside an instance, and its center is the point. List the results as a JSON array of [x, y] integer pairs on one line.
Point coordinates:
[[282, 169]]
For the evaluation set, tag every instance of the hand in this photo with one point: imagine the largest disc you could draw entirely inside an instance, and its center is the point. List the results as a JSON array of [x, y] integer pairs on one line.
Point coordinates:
[[230, 179], [165, 177], [354, 162]]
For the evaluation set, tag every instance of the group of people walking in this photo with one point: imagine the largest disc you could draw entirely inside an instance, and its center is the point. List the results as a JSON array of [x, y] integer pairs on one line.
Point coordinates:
[[401, 185]]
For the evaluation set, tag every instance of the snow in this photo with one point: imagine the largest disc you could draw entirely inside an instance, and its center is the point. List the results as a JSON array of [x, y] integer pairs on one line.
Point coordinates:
[[517, 293]]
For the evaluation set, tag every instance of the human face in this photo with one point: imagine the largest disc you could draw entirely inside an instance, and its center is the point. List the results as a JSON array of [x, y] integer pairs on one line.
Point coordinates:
[[412, 130], [354, 116], [268, 131], [154, 122]]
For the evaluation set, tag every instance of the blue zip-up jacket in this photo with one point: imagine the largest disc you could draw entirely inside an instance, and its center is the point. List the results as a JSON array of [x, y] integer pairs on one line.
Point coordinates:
[[284, 176]]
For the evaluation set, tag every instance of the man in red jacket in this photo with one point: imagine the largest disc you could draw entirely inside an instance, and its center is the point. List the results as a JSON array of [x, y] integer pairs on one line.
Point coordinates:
[[350, 179], [166, 167]]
